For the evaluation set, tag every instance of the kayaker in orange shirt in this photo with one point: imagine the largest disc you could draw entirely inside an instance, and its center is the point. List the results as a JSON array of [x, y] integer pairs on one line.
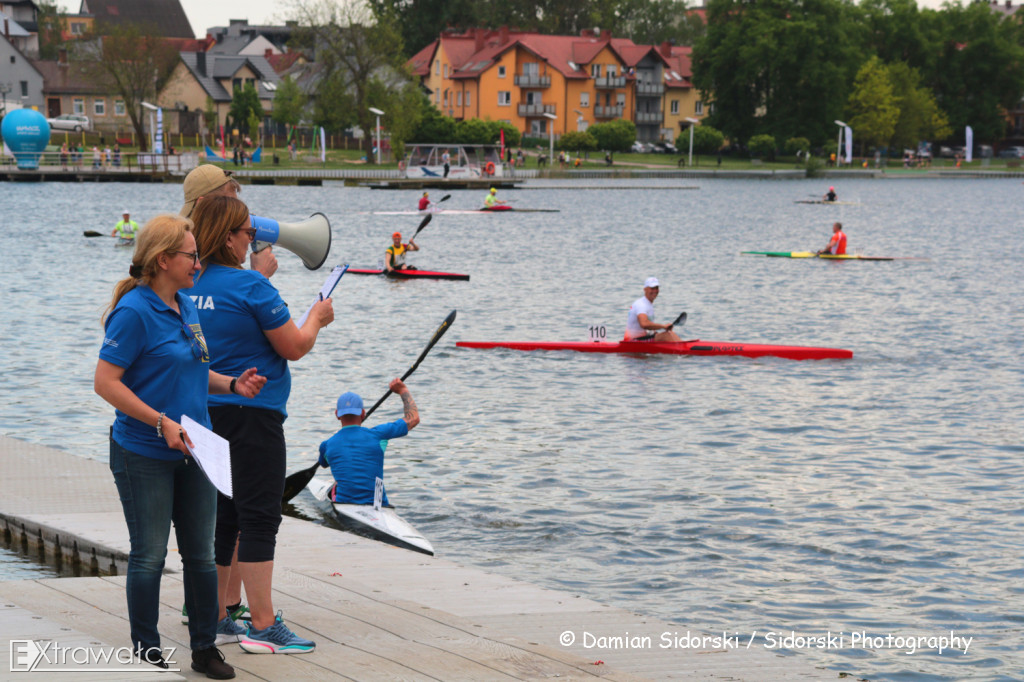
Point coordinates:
[[836, 245]]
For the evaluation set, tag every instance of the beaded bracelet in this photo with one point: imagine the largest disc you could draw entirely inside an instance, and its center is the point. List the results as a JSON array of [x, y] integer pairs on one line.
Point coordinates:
[[160, 425], [232, 386]]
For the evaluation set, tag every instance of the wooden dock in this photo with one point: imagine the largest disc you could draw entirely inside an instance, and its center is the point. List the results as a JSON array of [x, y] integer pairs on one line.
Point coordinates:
[[376, 612]]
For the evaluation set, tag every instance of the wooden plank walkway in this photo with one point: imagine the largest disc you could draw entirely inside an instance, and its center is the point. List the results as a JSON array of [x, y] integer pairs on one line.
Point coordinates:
[[376, 612]]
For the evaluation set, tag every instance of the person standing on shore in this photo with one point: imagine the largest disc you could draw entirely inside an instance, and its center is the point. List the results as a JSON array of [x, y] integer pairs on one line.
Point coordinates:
[[247, 323], [154, 367]]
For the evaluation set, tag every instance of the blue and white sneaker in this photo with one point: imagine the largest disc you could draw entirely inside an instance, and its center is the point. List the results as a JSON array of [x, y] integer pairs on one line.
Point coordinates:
[[228, 631], [277, 639]]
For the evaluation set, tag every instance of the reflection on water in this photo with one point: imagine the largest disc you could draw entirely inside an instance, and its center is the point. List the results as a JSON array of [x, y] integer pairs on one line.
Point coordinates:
[[878, 495]]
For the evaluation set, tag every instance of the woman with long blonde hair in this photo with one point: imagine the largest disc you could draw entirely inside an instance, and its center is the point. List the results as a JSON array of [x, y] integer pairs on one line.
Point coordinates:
[[247, 323], [154, 367]]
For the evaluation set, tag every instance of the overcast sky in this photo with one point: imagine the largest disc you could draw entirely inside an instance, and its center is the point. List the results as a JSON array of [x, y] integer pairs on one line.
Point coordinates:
[[203, 14]]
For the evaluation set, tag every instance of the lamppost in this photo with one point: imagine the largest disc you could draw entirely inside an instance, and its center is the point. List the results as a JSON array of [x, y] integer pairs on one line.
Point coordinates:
[[551, 135], [579, 120], [378, 113], [693, 123], [839, 141], [152, 125]]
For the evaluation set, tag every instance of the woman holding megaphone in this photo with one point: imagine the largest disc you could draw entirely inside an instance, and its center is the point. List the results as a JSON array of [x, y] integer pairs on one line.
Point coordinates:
[[247, 323]]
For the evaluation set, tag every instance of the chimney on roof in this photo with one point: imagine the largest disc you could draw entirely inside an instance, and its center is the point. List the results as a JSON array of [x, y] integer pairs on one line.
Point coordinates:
[[62, 56], [666, 49], [478, 39], [7, 29], [1009, 4], [606, 34], [268, 53], [503, 34], [201, 63]]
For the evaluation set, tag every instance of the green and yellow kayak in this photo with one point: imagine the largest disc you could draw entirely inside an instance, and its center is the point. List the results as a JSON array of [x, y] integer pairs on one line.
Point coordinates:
[[811, 254]]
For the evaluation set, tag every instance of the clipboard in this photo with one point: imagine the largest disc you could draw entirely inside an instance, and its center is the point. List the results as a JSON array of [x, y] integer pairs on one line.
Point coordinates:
[[325, 291]]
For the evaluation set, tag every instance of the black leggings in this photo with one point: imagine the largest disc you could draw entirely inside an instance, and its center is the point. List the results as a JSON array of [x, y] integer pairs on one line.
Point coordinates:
[[258, 463]]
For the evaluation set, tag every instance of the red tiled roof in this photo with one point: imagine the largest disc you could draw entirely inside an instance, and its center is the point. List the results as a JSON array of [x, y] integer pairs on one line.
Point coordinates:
[[282, 62], [679, 63], [419, 63]]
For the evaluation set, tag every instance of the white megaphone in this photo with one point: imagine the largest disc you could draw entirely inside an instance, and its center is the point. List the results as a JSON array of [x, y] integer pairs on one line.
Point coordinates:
[[310, 240]]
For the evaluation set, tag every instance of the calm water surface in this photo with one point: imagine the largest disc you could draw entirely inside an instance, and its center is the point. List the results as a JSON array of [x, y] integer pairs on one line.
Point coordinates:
[[879, 495]]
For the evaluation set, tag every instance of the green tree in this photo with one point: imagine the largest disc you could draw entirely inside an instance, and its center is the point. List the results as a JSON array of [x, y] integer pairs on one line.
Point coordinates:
[[289, 102], [210, 115], [797, 144], [778, 67], [512, 134], [616, 136], [131, 62], [474, 131], [872, 104], [434, 126], [358, 53], [920, 116], [576, 141], [246, 108], [48, 21], [706, 140], [761, 145]]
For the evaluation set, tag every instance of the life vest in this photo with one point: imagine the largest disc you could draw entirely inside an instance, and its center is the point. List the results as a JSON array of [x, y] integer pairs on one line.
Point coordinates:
[[126, 230], [397, 255]]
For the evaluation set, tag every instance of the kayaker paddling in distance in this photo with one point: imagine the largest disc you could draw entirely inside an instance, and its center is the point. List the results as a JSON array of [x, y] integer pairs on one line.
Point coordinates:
[[394, 256], [492, 200], [126, 229], [425, 203], [836, 245], [640, 326], [830, 195], [355, 454]]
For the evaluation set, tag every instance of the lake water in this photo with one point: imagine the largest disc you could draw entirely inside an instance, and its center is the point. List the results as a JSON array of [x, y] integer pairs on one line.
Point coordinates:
[[876, 496]]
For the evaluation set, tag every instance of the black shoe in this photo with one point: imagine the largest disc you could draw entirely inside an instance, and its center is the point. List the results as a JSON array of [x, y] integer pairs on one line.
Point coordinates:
[[211, 661], [152, 656]]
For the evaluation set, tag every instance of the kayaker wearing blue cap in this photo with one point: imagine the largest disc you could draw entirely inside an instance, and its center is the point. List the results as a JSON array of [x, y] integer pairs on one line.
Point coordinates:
[[355, 454], [640, 326]]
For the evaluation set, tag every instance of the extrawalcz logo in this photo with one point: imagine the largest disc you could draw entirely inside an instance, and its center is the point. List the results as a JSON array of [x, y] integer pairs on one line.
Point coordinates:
[[29, 656]]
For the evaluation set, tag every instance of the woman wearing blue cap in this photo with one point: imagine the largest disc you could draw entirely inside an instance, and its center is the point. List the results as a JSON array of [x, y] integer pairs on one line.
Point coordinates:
[[356, 453]]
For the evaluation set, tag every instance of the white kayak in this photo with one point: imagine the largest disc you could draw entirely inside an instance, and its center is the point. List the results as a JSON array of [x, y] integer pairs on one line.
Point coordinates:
[[382, 524]]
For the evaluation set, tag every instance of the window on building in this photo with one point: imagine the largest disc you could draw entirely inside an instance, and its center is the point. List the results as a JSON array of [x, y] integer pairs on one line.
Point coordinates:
[[504, 98], [24, 88], [533, 98], [620, 99], [12, 59], [674, 106], [446, 98], [236, 84], [437, 96], [501, 72], [595, 70], [445, 70], [698, 108], [78, 105], [437, 68], [77, 28], [584, 99], [99, 107], [531, 69], [611, 71], [458, 98], [119, 107], [467, 99]]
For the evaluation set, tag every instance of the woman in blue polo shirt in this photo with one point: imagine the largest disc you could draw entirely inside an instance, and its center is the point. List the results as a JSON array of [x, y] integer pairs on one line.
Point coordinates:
[[247, 323], [154, 367]]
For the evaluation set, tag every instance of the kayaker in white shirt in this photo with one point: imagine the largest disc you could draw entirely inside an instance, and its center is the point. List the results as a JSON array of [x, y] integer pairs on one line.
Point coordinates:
[[640, 326]]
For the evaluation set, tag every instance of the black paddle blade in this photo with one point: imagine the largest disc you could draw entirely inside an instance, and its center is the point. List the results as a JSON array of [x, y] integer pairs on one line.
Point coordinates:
[[93, 233], [294, 484], [423, 224], [446, 197], [679, 321]]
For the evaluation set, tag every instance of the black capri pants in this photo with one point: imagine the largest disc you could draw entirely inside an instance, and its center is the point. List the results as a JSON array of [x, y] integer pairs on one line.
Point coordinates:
[[258, 459]]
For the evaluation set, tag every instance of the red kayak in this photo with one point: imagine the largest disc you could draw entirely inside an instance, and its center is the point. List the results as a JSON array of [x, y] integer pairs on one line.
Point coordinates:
[[692, 347], [411, 274]]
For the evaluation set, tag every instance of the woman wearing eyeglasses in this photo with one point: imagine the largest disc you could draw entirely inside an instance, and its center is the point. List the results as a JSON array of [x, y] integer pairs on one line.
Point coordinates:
[[154, 367], [247, 323]]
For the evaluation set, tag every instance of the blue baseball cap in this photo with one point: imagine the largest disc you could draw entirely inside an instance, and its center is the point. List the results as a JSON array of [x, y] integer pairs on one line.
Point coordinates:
[[349, 403]]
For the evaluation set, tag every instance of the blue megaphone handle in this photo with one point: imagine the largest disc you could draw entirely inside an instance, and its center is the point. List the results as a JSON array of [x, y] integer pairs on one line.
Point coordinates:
[[268, 231]]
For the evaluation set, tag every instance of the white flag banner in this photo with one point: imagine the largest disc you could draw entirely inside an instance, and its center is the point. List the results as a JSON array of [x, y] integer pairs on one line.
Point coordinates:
[[158, 144], [323, 145], [969, 151], [849, 145]]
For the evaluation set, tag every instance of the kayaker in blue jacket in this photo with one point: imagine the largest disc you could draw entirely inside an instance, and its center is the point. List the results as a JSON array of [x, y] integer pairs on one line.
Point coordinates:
[[355, 454]]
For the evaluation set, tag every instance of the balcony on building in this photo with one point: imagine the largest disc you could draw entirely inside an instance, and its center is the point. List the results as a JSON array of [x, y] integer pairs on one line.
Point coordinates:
[[532, 80], [526, 110], [650, 89], [610, 82], [649, 117], [608, 112]]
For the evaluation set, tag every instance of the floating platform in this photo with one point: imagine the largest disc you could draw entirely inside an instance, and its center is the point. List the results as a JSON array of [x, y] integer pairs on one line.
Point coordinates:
[[376, 612], [439, 183]]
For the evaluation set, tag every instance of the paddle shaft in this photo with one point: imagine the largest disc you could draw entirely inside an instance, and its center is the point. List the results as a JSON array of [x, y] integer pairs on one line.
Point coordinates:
[[294, 483], [94, 233]]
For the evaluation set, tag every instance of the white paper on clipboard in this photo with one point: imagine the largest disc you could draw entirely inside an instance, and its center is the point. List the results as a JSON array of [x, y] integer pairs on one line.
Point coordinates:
[[212, 453], [325, 291]]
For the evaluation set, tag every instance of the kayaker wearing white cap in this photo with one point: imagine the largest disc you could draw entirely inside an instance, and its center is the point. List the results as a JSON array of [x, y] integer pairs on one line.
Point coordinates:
[[641, 325], [126, 229]]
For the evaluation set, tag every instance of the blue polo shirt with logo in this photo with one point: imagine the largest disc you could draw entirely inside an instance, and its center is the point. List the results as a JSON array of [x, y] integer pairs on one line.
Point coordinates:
[[166, 364], [235, 308]]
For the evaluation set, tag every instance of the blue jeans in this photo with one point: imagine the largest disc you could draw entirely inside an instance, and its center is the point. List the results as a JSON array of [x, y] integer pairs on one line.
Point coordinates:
[[153, 494]]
